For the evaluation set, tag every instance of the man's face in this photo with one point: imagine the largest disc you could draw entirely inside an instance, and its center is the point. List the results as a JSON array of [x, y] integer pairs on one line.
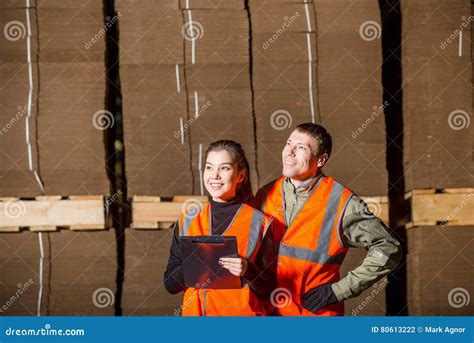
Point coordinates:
[[299, 160]]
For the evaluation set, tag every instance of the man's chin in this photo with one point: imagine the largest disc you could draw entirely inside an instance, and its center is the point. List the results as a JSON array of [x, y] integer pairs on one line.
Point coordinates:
[[288, 172]]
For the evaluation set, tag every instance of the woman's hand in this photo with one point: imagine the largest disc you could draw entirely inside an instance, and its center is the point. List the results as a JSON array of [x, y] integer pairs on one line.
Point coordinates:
[[236, 265]]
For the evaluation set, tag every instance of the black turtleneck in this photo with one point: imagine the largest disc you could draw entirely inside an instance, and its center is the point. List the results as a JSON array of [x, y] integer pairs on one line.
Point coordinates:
[[259, 275]]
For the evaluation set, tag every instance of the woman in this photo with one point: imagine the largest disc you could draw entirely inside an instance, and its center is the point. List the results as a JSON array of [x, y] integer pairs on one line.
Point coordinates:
[[227, 179]]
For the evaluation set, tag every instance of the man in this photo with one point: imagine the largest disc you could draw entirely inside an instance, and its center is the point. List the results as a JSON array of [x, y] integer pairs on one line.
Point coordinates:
[[316, 220]]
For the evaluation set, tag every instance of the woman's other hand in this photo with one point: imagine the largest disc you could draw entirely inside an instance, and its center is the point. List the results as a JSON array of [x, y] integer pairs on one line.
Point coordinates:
[[236, 265]]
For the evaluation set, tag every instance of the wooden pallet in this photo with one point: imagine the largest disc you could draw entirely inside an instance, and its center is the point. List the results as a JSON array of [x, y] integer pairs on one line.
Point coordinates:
[[450, 206], [48, 213], [150, 212], [379, 206]]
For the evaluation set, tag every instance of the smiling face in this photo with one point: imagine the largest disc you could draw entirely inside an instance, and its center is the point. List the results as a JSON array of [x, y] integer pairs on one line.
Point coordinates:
[[221, 176], [300, 161]]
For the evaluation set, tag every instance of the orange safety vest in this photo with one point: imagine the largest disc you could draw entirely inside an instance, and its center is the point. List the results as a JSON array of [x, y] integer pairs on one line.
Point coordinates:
[[249, 226], [310, 249]]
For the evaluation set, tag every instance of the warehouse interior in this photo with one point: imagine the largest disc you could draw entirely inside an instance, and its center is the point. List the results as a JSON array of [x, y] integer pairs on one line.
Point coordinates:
[[107, 107]]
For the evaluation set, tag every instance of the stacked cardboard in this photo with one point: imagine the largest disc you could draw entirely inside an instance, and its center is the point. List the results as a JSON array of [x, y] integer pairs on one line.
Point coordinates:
[[79, 271], [14, 90], [19, 274], [437, 94], [146, 259], [218, 79], [284, 66], [68, 89], [439, 270], [151, 56], [350, 92], [83, 273]]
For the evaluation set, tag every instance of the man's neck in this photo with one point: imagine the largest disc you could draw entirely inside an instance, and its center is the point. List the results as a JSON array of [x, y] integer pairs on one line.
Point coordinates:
[[299, 182]]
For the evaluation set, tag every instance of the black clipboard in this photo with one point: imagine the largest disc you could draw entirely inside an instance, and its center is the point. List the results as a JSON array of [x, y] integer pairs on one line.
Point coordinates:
[[201, 266]]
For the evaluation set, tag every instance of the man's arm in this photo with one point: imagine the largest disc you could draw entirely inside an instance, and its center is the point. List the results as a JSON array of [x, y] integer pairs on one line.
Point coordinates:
[[361, 230]]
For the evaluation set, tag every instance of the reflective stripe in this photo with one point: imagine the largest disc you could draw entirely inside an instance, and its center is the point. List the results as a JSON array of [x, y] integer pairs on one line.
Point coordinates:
[[255, 226], [340, 218], [329, 217], [188, 219], [310, 255]]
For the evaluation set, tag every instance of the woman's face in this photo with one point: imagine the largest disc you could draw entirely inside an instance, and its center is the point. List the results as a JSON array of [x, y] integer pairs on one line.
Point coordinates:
[[221, 176]]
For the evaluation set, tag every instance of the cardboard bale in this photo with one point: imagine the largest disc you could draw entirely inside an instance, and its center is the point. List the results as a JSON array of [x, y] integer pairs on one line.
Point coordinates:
[[221, 36], [437, 94], [83, 273], [146, 255], [19, 273], [440, 270], [152, 131], [349, 88], [17, 118], [154, 106]]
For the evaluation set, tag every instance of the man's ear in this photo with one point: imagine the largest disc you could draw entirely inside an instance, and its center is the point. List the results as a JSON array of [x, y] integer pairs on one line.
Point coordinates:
[[322, 159]]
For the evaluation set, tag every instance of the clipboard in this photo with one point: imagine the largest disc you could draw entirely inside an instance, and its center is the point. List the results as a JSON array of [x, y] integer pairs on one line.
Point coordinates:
[[201, 261]]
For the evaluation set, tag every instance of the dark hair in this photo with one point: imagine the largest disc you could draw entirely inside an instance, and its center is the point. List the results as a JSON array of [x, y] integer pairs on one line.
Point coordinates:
[[319, 133], [244, 189]]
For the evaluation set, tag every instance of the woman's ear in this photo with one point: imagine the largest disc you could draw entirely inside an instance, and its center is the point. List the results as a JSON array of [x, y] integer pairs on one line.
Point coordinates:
[[241, 176]]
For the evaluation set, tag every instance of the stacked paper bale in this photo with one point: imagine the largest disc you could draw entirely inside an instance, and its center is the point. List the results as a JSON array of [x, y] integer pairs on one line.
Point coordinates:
[[350, 92], [18, 179], [77, 272], [20, 274], [151, 68], [146, 256], [440, 269], [48, 132], [216, 38], [437, 93], [71, 99], [83, 267], [284, 76]]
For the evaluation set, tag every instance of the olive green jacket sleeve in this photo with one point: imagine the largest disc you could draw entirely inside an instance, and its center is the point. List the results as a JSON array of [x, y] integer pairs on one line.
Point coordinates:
[[361, 229]]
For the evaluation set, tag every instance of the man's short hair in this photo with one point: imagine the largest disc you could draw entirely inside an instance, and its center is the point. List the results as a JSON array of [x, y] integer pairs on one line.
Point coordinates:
[[319, 133]]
